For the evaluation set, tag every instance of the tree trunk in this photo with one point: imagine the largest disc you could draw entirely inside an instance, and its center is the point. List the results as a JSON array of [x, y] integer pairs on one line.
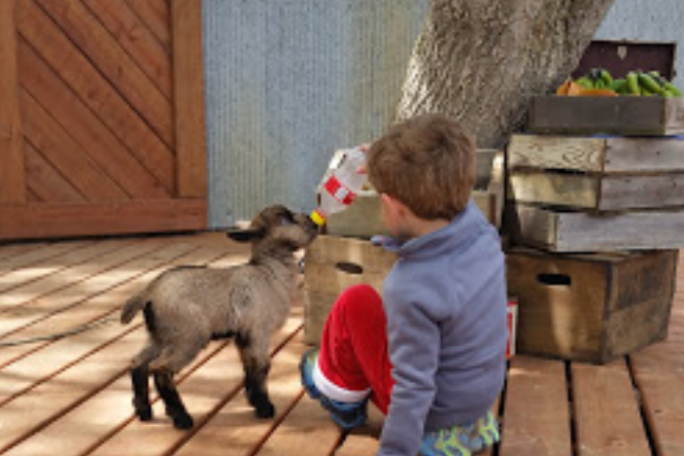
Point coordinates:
[[481, 61]]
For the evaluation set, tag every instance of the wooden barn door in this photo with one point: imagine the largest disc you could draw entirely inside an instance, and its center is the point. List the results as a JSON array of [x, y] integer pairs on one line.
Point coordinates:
[[101, 117]]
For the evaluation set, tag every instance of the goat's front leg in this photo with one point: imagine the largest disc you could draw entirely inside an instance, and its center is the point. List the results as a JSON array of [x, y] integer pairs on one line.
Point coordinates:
[[163, 380], [256, 363]]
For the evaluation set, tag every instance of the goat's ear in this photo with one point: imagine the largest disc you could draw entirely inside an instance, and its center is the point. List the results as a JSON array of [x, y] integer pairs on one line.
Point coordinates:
[[246, 235]]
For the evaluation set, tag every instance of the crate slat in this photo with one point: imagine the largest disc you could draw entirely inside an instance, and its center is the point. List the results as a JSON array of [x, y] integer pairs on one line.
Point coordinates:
[[613, 115], [597, 154], [576, 231], [596, 192]]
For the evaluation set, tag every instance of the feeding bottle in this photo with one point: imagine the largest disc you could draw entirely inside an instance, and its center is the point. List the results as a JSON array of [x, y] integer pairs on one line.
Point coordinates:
[[340, 189]]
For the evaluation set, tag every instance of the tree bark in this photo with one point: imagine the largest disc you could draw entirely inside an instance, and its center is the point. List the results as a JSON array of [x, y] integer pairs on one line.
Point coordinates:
[[482, 61]]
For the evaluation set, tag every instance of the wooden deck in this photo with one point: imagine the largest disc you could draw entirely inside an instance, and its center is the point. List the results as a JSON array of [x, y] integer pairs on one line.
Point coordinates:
[[71, 396]]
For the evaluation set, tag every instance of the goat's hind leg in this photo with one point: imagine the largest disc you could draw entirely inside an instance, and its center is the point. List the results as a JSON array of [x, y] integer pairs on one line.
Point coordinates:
[[256, 363], [175, 409], [172, 359], [139, 374]]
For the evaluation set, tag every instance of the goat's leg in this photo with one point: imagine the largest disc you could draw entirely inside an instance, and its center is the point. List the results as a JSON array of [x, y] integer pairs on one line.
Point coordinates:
[[163, 380], [139, 374], [256, 363], [141, 392]]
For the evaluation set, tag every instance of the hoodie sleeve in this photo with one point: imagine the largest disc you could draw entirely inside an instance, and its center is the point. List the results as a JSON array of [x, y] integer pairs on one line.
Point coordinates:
[[414, 342]]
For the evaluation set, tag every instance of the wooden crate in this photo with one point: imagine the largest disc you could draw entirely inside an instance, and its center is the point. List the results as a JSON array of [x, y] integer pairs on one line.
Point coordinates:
[[627, 116], [332, 264], [363, 218], [559, 230], [597, 174], [591, 307]]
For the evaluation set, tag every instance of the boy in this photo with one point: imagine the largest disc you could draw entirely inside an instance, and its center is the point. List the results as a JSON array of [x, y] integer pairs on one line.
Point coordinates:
[[431, 353]]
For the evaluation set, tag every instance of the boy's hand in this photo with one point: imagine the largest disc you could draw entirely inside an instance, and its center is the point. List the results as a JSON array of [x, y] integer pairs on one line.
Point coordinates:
[[365, 147]]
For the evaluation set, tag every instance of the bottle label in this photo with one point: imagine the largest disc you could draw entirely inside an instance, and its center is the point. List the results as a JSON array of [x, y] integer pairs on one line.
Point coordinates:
[[339, 191]]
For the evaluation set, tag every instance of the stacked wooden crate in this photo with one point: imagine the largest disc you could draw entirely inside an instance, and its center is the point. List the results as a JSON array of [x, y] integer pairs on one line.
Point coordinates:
[[345, 256], [599, 193], [364, 218]]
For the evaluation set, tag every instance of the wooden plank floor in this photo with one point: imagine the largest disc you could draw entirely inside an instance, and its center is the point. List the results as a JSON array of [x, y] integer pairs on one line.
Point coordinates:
[[71, 395]]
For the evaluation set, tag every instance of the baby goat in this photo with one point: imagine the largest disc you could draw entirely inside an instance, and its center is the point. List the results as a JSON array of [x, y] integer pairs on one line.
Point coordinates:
[[187, 307]]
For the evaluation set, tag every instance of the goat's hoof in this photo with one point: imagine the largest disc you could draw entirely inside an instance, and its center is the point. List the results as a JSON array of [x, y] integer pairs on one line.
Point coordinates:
[[144, 413], [265, 411], [142, 408], [183, 422]]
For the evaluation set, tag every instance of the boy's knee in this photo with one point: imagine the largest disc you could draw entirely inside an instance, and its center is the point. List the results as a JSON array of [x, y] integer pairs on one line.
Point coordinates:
[[359, 295], [359, 302]]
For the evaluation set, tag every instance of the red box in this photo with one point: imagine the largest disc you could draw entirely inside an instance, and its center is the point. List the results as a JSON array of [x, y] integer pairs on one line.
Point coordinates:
[[512, 323]]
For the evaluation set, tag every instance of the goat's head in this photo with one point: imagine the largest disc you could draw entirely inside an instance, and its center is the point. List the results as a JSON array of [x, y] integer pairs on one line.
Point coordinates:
[[277, 228]]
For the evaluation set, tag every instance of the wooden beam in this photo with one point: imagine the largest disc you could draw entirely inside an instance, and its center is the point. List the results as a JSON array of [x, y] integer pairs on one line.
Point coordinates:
[[188, 86], [46, 220], [12, 180], [536, 412], [606, 411]]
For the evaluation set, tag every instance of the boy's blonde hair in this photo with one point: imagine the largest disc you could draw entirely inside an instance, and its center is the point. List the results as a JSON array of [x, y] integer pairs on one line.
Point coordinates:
[[428, 163]]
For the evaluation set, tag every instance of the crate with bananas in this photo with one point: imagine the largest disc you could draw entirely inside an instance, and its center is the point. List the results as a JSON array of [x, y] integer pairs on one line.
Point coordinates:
[[643, 103], [599, 82]]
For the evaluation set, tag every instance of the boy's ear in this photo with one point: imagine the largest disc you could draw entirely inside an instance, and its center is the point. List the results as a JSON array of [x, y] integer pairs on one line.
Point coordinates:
[[390, 204], [246, 235]]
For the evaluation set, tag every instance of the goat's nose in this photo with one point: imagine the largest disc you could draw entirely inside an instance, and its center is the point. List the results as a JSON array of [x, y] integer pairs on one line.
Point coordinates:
[[310, 223]]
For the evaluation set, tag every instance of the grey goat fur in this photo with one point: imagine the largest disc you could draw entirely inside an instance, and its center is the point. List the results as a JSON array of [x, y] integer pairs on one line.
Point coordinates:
[[186, 307]]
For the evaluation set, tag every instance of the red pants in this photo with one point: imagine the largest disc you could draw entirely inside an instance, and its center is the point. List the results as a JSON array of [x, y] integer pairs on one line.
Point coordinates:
[[353, 354]]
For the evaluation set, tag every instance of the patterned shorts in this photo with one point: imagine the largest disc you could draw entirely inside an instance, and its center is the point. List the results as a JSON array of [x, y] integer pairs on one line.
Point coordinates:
[[462, 440]]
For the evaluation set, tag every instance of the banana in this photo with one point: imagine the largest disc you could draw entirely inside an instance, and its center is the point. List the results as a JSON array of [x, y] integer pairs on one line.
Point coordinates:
[[632, 83], [648, 83], [672, 89], [585, 82], [619, 86], [606, 77], [594, 74]]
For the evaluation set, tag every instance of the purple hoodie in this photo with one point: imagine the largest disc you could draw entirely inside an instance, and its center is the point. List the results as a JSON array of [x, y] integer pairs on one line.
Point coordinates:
[[445, 301]]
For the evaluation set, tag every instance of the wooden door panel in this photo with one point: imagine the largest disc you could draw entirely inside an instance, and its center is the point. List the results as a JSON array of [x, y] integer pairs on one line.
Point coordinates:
[[98, 91], [97, 45], [102, 120], [138, 40], [44, 181], [65, 154], [87, 129], [156, 15]]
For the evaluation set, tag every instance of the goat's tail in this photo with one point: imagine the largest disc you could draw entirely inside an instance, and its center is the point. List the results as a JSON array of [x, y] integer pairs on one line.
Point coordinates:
[[133, 306]]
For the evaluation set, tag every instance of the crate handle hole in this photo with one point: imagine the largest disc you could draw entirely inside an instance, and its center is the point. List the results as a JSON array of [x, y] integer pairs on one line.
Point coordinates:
[[349, 268], [555, 280]]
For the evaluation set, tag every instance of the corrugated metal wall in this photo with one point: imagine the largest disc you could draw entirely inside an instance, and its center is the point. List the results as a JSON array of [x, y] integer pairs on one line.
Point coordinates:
[[649, 21], [287, 82]]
